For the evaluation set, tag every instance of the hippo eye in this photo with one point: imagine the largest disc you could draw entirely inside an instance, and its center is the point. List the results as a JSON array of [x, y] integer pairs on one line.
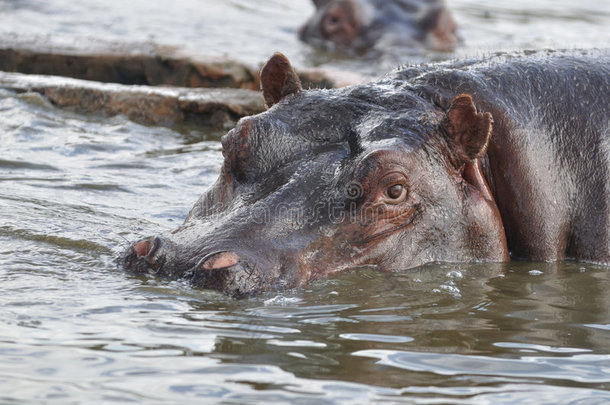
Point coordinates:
[[396, 192]]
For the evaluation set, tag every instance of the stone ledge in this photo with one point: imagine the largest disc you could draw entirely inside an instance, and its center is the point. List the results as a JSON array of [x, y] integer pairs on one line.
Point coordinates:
[[147, 64], [141, 64], [166, 106]]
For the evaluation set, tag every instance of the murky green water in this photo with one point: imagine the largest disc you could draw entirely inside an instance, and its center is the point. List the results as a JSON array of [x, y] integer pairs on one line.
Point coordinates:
[[75, 189]]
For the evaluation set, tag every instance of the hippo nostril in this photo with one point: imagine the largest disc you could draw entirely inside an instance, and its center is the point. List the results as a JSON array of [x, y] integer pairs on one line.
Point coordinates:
[[142, 248], [147, 248], [220, 261]]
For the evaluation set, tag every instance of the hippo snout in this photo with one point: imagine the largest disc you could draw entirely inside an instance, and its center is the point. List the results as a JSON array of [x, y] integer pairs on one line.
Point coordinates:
[[236, 274]]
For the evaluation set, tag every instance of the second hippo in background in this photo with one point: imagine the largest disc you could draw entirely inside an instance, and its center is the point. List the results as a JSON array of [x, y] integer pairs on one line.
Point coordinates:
[[357, 27]]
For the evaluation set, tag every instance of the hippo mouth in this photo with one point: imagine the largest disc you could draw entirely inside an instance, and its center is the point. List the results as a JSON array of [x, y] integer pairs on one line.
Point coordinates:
[[237, 279]]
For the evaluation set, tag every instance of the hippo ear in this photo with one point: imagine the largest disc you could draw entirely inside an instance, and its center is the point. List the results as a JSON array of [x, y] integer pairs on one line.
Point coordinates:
[[320, 3], [444, 37], [278, 79], [471, 130]]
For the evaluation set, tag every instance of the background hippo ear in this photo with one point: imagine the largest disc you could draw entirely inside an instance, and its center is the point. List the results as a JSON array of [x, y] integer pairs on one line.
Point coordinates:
[[471, 130], [321, 3], [443, 36], [278, 79]]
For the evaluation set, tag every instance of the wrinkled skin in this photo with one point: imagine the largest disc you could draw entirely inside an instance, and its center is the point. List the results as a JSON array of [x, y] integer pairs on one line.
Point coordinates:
[[360, 26], [455, 162]]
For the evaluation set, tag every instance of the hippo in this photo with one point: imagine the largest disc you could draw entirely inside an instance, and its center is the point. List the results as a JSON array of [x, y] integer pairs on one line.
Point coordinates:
[[358, 27], [477, 160]]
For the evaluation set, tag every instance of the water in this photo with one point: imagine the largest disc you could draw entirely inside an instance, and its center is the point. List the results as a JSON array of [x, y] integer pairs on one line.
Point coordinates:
[[75, 189]]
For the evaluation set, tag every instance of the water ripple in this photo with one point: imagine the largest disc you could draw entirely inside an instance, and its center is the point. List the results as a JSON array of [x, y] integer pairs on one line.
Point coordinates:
[[584, 368]]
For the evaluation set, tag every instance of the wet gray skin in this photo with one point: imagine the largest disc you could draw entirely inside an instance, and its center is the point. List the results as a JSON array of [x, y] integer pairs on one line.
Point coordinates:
[[400, 173], [357, 27]]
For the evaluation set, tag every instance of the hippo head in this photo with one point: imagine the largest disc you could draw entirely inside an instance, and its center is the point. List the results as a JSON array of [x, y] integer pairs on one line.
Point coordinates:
[[357, 26], [329, 180]]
